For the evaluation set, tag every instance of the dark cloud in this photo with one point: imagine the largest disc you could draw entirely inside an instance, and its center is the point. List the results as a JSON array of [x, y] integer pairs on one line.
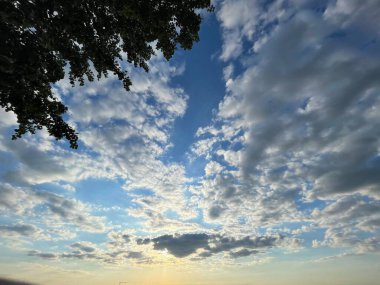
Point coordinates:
[[243, 253], [204, 255], [181, 245], [34, 165], [42, 255], [134, 255], [215, 211], [83, 256], [228, 244], [142, 241], [229, 192], [70, 255], [187, 244], [86, 247], [24, 230], [126, 238]]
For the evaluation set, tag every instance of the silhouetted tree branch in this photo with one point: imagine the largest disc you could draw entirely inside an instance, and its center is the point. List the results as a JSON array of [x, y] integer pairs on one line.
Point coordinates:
[[39, 37]]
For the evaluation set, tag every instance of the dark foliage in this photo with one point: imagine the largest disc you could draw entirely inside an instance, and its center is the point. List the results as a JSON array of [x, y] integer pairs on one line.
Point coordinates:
[[4, 281], [39, 37]]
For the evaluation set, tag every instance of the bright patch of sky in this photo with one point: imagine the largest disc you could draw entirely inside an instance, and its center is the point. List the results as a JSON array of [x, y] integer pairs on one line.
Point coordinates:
[[259, 148]]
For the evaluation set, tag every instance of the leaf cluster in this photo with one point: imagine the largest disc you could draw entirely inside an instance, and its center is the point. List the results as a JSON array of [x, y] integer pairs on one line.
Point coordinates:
[[39, 38]]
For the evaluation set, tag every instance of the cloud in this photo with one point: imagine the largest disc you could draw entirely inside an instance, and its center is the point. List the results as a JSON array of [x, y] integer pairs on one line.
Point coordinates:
[[309, 118], [353, 211], [123, 136], [346, 221], [20, 230], [215, 211], [292, 148], [351, 14], [334, 257], [119, 239], [180, 246], [39, 161], [42, 255], [115, 253], [295, 139], [243, 253], [84, 246], [71, 211], [248, 21], [183, 245], [135, 255], [267, 88], [57, 210], [238, 20], [15, 199]]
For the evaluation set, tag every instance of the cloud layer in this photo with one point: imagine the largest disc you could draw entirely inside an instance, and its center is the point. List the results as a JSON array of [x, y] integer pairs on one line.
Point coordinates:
[[289, 162]]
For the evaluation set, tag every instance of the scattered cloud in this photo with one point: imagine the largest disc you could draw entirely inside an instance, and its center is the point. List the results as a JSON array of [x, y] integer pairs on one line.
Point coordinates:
[[56, 209], [291, 151], [21, 230]]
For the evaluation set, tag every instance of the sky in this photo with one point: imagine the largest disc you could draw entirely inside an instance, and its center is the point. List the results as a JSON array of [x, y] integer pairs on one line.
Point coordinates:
[[252, 159]]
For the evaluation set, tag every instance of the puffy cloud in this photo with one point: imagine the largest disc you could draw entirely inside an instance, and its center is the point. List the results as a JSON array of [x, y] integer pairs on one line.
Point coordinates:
[[84, 246], [212, 168], [353, 210], [119, 249], [298, 101], [20, 230], [15, 200], [346, 221], [154, 219], [298, 129], [292, 148], [248, 20], [243, 253], [119, 239], [123, 136], [39, 162], [71, 211], [57, 210], [351, 14]]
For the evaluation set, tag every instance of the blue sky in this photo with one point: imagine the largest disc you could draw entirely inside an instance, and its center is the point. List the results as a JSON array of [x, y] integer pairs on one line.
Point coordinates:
[[253, 158]]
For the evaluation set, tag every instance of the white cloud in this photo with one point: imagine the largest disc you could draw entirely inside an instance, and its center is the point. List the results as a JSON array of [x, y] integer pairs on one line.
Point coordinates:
[[298, 125], [293, 147], [247, 20], [58, 211], [238, 19]]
